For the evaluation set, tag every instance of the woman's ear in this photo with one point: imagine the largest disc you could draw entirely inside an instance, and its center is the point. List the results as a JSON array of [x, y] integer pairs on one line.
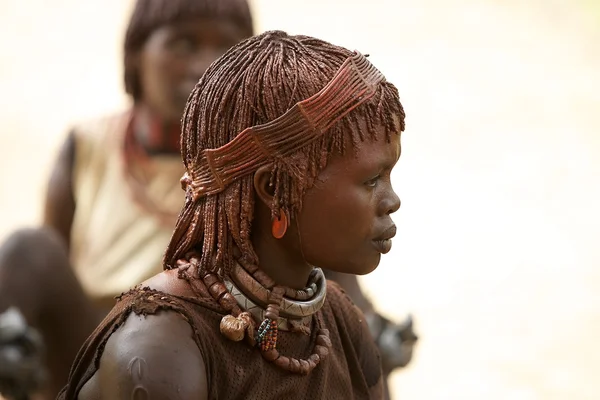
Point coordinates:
[[262, 187]]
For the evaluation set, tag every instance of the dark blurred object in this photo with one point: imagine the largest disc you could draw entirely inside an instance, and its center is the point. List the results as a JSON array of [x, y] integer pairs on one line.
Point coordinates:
[[21, 356], [395, 341]]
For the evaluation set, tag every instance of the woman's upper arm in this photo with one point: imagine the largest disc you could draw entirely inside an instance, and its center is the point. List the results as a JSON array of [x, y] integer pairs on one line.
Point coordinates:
[[59, 206], [151, 356]]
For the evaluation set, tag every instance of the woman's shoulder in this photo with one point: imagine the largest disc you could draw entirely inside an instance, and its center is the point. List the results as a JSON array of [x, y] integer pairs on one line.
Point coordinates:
[[149, 344], [167, 291], [153, 355]]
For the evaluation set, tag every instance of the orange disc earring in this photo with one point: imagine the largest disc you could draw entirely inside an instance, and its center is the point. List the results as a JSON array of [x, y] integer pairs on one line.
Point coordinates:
[[279, 226]]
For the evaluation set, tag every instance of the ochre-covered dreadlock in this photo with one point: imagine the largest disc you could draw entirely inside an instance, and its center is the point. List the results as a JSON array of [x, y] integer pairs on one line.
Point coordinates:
[[148, 15], [253, 83]]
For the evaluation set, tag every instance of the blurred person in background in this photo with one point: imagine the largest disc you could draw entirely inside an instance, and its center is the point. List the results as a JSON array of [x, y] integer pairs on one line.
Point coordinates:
[[114, 193]]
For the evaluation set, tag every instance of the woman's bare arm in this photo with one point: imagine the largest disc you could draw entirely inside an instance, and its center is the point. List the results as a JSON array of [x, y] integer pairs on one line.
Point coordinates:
[[59, 205], [149, 357]]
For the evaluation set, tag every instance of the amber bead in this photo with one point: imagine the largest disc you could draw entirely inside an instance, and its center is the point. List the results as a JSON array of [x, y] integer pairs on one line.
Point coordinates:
[[324, 340], [321, 351], [264, 279], [304, 367], [210, 279], [248, 266], [324, 332], [271, 355], [294, 365], [227, 301], [314, 358], [217, 290], [233, 328], [283, 362]]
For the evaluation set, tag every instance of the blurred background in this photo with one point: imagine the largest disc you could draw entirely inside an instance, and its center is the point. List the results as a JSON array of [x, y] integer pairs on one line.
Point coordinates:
[[497, 254]]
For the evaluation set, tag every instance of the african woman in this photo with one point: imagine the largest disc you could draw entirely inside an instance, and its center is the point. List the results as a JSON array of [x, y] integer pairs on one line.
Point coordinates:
[[288, 145]]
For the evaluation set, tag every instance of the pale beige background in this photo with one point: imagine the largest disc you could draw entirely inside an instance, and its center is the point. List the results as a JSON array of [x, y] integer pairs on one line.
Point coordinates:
[[497, 253]]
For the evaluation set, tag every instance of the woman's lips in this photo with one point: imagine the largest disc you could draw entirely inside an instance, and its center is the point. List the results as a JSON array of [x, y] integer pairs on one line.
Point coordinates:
[[383, 246], [383, 243]]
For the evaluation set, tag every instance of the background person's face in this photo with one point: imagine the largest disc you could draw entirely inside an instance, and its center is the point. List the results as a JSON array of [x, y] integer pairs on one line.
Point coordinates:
[[174, 58]]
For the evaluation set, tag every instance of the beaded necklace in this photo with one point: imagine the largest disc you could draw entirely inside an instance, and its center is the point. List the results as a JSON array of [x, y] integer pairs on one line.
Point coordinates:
[[248, 286]]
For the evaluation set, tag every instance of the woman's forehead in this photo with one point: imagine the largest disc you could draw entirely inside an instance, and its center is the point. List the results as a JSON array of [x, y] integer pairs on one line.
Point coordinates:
[[378, 138], [381, 150]]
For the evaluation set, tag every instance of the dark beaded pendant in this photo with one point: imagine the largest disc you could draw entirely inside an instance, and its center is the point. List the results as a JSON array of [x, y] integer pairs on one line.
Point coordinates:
[[267, 335]]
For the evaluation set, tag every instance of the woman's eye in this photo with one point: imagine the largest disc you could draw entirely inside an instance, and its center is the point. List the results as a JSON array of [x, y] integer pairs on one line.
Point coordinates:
[[373, 181]]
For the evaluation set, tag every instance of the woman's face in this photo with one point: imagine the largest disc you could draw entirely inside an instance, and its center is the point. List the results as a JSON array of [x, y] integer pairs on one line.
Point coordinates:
[[345, 223], [174, 58]]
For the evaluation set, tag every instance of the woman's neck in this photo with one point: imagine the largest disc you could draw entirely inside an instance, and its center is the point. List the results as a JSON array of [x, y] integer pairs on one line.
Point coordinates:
[[284, 268], [155, 134]]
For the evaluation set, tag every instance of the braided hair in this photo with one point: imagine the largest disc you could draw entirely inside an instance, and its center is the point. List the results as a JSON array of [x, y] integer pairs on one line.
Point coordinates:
[[253, 83]]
